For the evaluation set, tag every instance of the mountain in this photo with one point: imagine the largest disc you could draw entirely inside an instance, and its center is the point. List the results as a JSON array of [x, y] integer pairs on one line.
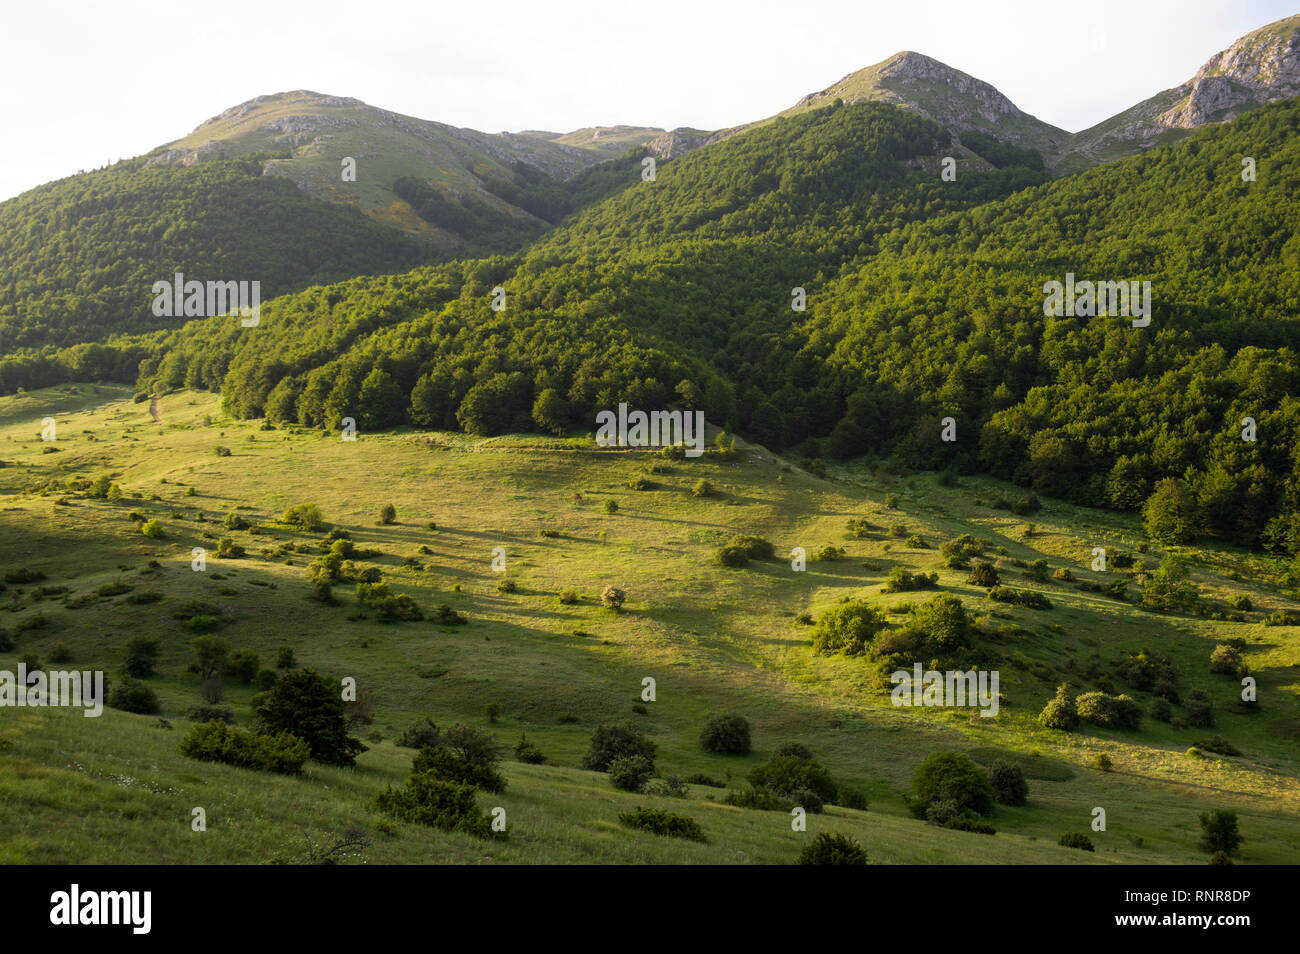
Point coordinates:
[[955, 100], [1261, 67], [311, 133]]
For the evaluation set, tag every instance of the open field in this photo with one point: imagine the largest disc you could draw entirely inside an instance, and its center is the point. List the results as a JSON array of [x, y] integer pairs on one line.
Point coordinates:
[[117, 790]]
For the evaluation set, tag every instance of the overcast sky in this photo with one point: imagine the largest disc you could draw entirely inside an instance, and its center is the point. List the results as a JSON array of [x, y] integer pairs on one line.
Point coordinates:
[[90, 82]]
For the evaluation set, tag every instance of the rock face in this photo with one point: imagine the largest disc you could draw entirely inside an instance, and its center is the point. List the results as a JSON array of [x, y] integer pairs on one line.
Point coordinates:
[[1262, 67]]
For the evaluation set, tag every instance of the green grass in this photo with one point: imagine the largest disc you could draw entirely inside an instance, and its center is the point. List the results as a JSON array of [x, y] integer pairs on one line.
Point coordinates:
[[116, 789]]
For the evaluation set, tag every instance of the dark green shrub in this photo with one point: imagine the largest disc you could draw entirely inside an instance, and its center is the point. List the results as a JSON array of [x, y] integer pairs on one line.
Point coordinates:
[[983, 574], [309, 706], [701, 779], [832, 848], [726, 735], [243, 666], [387, 515], [1009, 784], [134, 698], [455, 766], [757, 798], [1219, 832], [1060, 712], [211, 713], [1199, 712], [444, 615], [756, 548], [847, 628], [1076, 840], [141, 656], [437, 803], [902, 581], [663, 823], [610, 742], [629, 773], [788, 774], [215, 741], [527, 752], [953, 776], [421, 735]]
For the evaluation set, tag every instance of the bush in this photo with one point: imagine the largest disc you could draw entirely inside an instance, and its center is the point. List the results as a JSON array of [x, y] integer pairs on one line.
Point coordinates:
[[1111, 712], [1199, 712], [983, 574], [630, 773], [663, 823], [1076, 840], [1009, 784], [702, 488], [141, 656], [1219, 832], [421, 735], [1161, 710], [612, 597], [221, 451], [758, 798], [134, 698], [1027, 598], [1102, 762], [832, 848], [1218, 745], [610, 742], [228, 549], [726, 735], [437, 803], [309, 706], [700, 778], [387, 515], [507, 586], [461, 767], [847, 628], [153, 529], [953, 776], [730, 556], [234, 521], [790, 775], [211, 713], [23, 575], [756, 548], [829, 554], [1060, 712], [891, 501], [444, 615], [243, 666], [569, 596], [610, 506], [1225, 660], [902, 581], [527, 752], [306, 516], [215, 741]]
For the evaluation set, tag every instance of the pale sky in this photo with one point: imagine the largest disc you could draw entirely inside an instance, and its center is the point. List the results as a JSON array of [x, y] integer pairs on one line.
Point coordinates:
[[89, 82]]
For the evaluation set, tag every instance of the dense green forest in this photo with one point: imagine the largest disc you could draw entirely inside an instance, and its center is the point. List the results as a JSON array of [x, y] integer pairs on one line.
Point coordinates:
[[81, 254], [924, 301]]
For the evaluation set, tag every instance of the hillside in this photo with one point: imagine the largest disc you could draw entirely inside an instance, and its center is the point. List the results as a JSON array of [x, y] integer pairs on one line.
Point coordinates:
[[1262, 67], [716, 639]]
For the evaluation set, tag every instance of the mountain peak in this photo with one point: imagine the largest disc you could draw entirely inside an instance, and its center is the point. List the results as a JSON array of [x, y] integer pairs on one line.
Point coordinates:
[[1261, 67], [954, 99]]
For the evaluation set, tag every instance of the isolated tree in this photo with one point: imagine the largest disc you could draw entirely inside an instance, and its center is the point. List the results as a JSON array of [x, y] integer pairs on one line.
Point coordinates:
[[310, 706], [1171, 513], [388, 514], [1219, 832], [211, 654]]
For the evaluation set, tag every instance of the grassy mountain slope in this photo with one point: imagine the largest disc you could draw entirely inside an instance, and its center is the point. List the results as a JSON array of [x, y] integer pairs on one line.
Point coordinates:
[[716, 639], [314, 132]]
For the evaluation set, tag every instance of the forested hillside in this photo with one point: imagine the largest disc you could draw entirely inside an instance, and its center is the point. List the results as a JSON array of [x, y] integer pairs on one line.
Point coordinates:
[[924, 301], [81, 254]]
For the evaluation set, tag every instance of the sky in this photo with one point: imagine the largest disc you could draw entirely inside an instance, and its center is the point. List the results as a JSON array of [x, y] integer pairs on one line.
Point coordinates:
[[95, 81]]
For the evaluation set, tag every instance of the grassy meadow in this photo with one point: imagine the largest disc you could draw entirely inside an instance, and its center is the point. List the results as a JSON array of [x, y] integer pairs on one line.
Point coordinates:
[[117, 790]]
